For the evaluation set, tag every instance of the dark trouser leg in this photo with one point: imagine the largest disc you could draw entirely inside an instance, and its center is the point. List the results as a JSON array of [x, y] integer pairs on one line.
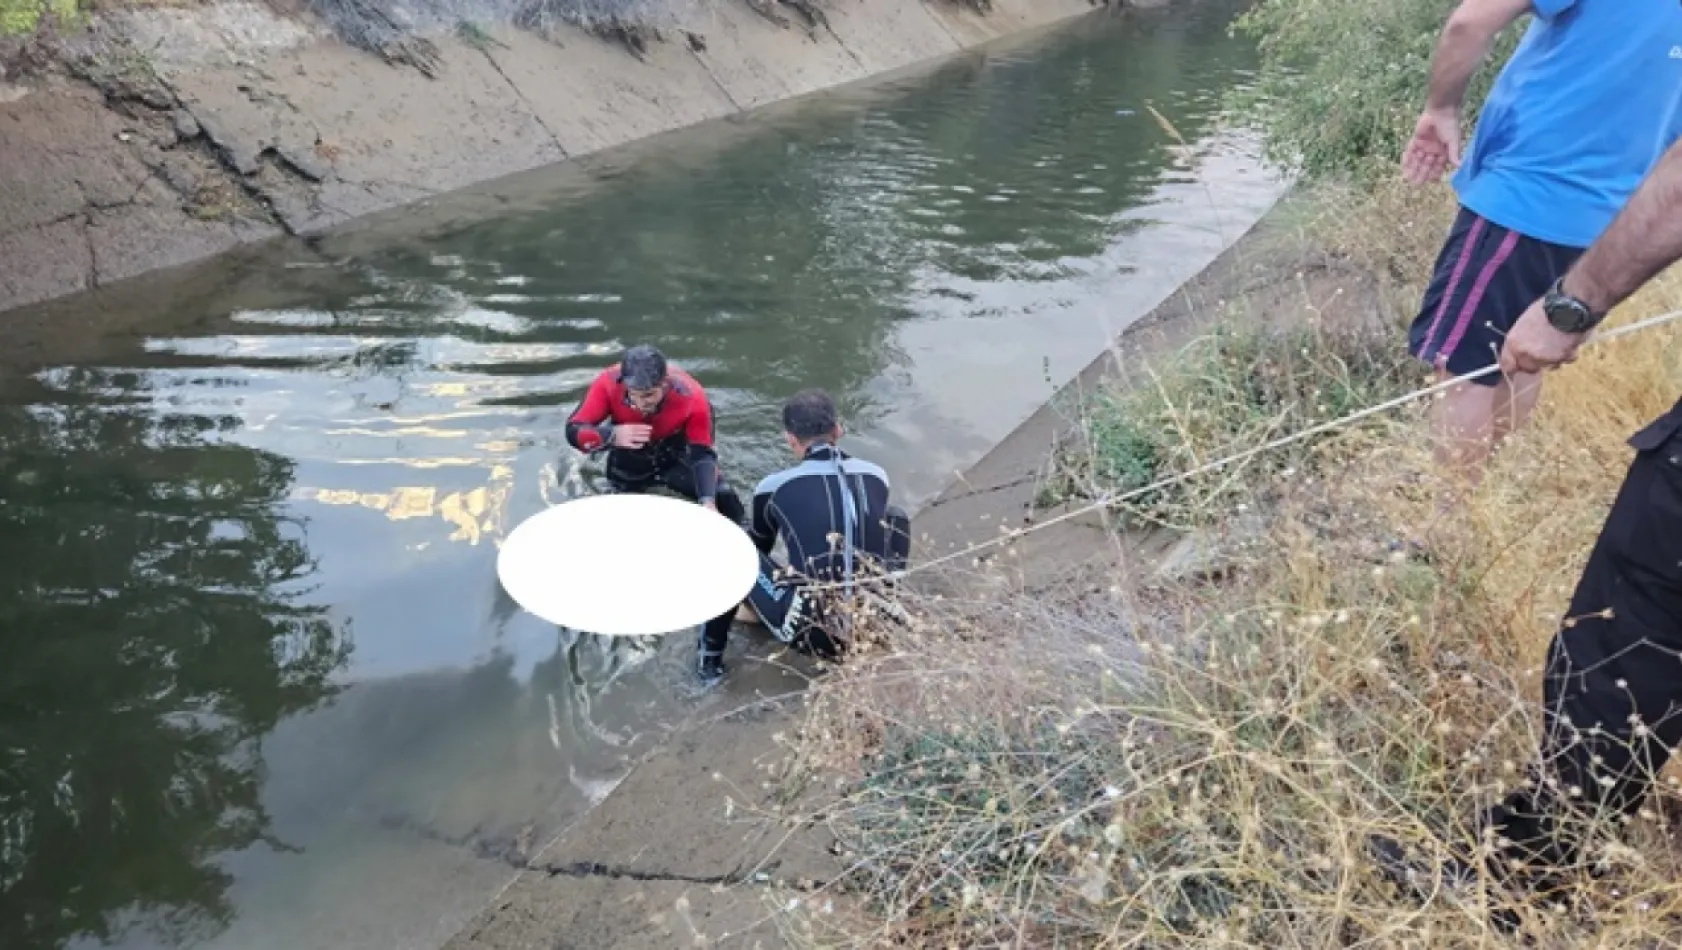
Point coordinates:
[[771, 599], [898, 525], [790, 613], [715, 635], [730, 505], [1613, 692], [680, 479]]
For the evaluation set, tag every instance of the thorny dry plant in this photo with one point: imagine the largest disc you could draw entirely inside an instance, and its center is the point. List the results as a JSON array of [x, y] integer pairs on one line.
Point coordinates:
[[1203, 764]]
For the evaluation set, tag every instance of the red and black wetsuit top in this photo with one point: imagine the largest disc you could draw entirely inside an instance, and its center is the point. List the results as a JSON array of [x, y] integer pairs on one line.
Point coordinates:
[[681, 429]]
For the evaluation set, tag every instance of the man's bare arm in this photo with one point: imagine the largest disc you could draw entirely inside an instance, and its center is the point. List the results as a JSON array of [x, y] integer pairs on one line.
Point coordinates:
[[1465, 41], [1645, 238]]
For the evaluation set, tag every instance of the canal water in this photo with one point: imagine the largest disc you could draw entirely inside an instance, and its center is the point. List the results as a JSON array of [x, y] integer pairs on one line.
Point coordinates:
[[260, 685]]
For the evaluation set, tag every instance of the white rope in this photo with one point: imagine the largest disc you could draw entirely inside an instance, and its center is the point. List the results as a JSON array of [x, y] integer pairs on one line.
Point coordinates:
[[1111, 499]]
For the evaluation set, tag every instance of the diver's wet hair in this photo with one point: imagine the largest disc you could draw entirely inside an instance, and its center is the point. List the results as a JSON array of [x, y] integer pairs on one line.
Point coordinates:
[[809, 415], [643, 367]]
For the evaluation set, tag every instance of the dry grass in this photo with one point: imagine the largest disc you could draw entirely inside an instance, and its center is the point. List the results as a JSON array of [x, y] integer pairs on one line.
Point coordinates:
[[1221, 394], [1203, 766]]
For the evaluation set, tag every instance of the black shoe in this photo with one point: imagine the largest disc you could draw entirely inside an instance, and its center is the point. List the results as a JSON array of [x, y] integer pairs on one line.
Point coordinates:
[[710, 669]]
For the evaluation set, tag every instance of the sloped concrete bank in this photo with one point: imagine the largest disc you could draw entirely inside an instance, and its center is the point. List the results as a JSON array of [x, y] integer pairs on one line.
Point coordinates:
[[174, 134]]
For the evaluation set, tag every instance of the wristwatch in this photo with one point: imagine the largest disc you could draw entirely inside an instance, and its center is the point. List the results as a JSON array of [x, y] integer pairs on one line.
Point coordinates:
[[1567, 313]]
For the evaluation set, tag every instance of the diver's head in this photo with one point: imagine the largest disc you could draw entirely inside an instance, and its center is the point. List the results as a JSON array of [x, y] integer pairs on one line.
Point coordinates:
[[808, 419], [643, 371]]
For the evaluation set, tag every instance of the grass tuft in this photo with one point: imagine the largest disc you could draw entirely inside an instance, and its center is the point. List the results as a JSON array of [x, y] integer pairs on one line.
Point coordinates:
[[1238, 387]]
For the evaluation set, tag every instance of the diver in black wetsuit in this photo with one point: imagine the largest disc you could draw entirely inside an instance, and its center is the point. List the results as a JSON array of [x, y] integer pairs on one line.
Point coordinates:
[[833, 515]]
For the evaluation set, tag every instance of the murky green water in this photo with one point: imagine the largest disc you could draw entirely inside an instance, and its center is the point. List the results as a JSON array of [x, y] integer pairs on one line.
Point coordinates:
[[261, 687]]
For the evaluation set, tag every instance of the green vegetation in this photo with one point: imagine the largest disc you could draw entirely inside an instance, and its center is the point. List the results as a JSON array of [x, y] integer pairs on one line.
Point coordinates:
[[1127, 760], [1342, 81], [1222, 394], [20, 17]]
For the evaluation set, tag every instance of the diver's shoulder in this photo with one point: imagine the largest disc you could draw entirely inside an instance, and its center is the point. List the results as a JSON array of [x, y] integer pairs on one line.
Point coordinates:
[[685, 384], [854, 465], [770, 483], [821, 468]]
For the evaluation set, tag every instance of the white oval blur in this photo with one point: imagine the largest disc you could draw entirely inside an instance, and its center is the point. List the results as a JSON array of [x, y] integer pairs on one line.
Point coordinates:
[[628, 565]]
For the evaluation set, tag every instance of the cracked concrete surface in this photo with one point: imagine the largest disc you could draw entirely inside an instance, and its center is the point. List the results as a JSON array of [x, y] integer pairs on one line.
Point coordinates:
[[694, 845], [87, 197], [237, 124]]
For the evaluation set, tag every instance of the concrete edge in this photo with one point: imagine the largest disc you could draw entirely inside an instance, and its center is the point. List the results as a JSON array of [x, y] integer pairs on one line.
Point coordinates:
[[158, 155]]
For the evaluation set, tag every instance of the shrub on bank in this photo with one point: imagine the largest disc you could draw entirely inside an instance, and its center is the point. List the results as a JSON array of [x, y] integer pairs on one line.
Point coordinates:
[[1341, 82], [1220, 395], [21, 17], [1203, 771]]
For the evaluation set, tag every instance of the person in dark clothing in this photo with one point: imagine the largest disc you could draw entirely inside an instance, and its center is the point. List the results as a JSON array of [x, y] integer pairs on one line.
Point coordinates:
[[1612, 694], [657, 428], [834, 518]]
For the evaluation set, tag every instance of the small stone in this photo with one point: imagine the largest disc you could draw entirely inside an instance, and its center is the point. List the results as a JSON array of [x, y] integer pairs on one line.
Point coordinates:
[[186, 127], [302, 163], [180, 176]]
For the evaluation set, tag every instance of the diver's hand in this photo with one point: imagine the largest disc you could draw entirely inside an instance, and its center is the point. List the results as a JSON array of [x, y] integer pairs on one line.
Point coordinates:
[[633, 435], [710, 504]]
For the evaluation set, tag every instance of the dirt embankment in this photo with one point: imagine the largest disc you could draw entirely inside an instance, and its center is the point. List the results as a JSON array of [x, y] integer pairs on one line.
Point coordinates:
[[169, 134]]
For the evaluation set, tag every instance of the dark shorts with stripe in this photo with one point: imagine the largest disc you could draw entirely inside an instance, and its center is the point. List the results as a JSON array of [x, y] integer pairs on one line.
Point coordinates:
[[1486, 277]]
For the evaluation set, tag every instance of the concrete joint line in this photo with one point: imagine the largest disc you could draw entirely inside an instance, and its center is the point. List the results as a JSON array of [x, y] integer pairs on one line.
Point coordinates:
[[598, 869], [536, 116], [706, 68]]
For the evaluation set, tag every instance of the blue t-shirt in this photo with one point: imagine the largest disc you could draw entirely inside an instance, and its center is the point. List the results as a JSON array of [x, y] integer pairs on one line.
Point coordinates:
[[1576, 119]]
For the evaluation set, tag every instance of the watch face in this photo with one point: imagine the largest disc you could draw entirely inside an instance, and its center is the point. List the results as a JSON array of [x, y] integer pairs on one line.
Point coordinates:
[[1566, 314]]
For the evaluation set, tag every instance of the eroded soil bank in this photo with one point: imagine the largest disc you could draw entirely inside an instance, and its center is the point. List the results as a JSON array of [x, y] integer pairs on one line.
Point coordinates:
[[173, 134]]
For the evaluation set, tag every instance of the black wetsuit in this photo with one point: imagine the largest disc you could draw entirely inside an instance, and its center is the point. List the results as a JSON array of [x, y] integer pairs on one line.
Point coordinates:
[[834, 517]]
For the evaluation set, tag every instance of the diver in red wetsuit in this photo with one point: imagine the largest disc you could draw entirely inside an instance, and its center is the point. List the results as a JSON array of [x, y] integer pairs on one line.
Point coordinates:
[[656, 425]]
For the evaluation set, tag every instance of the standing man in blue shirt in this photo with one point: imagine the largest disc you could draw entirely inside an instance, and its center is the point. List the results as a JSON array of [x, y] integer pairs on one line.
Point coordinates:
[[1610, 690], [1576, 119]]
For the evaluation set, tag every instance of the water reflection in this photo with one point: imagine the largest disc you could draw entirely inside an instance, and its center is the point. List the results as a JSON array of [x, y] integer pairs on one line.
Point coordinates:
[[155, 628], [207, 490]]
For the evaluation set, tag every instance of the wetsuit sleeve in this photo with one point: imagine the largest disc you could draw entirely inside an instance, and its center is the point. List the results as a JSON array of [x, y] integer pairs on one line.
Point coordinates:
[[761, 528], [703, 458], [590, 427]]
